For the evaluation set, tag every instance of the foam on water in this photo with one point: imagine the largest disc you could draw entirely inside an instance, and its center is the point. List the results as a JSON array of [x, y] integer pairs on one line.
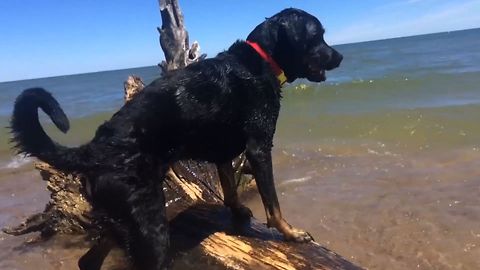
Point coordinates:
[[16, 162]]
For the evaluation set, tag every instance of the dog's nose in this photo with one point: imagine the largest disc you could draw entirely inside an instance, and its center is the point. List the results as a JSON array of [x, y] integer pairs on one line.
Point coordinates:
[[339, 59], [335, 60]]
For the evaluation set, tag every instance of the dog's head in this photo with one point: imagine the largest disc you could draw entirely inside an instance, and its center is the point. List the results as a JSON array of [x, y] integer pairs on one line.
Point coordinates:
[[295, 41]]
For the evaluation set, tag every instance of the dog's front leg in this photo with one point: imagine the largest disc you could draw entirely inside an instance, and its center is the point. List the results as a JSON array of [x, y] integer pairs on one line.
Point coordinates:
[[260, 157], [230, 196]]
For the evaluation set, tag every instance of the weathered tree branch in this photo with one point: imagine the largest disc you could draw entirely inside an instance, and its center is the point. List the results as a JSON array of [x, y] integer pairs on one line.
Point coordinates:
[[132, 86], [174, 38], [67, 212]]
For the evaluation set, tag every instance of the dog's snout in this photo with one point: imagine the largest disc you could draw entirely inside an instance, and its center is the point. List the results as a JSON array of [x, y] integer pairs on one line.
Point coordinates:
[[335, 60]]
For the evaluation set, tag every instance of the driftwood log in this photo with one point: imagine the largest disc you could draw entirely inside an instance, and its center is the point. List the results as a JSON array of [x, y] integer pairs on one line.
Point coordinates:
[[199, 222], [174, 38], [200, 225]]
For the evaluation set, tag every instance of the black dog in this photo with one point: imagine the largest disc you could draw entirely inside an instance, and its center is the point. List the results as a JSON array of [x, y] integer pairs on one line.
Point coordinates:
[[212, 110]]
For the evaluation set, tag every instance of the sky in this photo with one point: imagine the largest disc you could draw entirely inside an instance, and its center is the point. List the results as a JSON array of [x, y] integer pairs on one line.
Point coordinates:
[[59, 37]]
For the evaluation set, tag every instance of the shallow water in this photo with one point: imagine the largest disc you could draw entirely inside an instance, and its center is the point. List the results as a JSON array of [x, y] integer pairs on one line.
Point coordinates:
[[379, 209], [384, 210]]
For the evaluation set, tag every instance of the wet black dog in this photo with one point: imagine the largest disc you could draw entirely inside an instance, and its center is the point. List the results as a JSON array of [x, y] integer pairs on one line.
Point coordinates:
[[211, 110]]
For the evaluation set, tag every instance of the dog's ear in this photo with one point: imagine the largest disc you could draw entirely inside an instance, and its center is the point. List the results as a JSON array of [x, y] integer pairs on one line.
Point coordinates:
[[265, 34], [285, 39], [293, 33], [287, 32]]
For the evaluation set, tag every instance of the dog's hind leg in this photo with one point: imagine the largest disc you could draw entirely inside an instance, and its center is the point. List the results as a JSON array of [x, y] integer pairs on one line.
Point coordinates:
[[137, 205], [229, 187], [93, 259], [150, 238]]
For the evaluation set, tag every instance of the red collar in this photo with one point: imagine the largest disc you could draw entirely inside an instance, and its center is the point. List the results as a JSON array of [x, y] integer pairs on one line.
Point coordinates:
[[282, 79]]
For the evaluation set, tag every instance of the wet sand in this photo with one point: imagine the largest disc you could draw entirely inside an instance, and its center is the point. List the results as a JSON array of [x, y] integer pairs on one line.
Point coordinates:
[[379, 209]]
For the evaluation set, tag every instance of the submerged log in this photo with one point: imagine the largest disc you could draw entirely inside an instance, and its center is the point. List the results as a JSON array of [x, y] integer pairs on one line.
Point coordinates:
[[199, 223], [67, 212]]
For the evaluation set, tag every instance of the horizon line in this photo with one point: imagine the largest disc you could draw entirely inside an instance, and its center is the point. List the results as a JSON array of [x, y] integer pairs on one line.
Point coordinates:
[[339, 44]]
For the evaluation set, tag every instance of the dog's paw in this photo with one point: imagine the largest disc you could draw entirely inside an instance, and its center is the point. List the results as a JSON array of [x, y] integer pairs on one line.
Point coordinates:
[[299, 236], [88, 263], [241, 212]]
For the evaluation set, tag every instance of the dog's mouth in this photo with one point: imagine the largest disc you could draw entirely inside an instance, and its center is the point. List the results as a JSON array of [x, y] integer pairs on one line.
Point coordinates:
[[316, 75]]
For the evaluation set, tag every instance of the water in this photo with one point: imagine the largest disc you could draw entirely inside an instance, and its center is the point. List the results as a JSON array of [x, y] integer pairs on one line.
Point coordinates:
[[385, 153]]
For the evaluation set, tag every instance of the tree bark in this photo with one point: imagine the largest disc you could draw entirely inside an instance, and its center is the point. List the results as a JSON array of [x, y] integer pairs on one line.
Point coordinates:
[[245, 246], [174, 38], [132, 86]]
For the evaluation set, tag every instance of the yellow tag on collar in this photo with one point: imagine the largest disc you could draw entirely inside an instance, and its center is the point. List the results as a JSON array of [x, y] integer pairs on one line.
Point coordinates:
[[282, 78]]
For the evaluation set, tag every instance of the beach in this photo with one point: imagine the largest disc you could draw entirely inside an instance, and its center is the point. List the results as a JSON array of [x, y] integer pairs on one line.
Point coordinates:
[[380, 163]]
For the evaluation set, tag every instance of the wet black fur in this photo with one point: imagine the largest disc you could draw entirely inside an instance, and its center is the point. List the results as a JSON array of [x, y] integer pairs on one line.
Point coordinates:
[[212, 110]]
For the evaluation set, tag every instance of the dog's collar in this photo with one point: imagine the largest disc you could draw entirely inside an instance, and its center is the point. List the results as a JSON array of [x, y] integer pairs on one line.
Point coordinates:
[[282, 79]]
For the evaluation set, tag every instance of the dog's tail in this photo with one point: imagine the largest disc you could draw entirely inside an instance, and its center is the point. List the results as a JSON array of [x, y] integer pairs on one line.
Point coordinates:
[[28, 135]]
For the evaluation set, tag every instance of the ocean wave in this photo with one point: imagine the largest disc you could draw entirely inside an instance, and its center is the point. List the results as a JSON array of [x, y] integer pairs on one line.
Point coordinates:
[[400, 91], [417, 110]]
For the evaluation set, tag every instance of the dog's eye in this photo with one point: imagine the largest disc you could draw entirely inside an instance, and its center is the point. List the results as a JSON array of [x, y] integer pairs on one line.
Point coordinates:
[[315, 40]]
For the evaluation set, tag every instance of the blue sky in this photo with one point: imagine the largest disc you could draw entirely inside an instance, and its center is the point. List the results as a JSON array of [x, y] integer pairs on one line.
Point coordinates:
[[57, 37]]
